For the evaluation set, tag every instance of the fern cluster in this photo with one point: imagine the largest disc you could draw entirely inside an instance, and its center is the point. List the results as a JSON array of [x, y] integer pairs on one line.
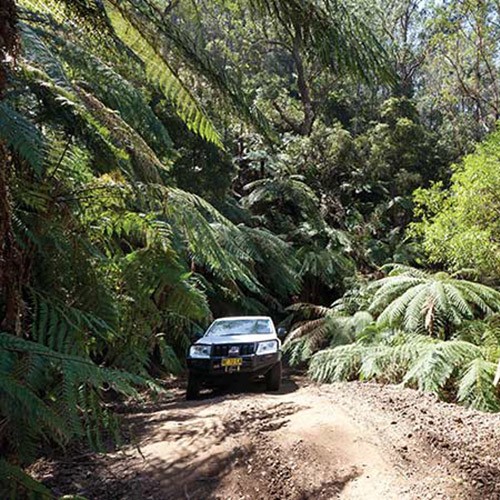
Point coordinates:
[[434, 332], [452, 369], [51, 396]]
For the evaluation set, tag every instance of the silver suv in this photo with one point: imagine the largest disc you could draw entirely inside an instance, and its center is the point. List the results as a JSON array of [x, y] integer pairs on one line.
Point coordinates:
[[235, 347]]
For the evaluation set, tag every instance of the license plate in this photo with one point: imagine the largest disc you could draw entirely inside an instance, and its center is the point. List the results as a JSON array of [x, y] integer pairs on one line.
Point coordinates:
[[232, 362]]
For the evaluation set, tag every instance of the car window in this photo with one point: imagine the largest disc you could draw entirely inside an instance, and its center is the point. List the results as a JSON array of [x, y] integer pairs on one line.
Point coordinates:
[[240, 327]]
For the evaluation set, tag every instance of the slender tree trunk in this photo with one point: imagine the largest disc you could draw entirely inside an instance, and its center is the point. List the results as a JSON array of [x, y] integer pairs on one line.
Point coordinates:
[[304, 91], [11, 262], [9, 41], [304, 127], [11, 269]]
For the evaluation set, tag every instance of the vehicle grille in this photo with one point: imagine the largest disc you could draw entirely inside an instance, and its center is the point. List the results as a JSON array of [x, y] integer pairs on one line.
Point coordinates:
[[223, 349]]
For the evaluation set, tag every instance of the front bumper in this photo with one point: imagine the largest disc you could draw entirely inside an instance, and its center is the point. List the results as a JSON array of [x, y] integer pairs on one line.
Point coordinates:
[[252, 365]]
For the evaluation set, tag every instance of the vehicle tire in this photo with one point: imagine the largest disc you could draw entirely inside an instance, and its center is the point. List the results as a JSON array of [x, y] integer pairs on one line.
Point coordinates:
[[273, 377], [193, 387]]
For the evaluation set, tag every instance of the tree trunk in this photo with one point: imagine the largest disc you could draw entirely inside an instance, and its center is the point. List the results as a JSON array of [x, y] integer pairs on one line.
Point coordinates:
[[11, 262], [11, 269], [304, 127], [302, 84], [9, 41]]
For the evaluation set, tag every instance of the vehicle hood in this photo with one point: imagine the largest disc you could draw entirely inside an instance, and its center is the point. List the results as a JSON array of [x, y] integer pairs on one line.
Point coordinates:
[[236, 339]]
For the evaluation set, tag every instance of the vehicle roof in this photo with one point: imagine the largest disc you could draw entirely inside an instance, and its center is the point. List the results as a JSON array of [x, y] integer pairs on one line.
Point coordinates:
[[243, 317]]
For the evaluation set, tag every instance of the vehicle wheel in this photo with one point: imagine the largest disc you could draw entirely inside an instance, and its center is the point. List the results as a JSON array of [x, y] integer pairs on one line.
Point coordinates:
[[273, 377], [193, 387]]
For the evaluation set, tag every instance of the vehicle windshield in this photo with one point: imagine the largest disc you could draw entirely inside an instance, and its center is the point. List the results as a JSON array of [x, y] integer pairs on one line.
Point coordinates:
[[240, 327]]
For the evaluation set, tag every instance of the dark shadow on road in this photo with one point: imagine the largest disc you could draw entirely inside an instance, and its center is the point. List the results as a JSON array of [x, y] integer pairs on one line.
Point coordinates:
[[288, 385], [197, 470]]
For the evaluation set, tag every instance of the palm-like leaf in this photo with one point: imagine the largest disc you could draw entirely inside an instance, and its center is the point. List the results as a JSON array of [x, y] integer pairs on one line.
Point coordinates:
[[476, 388], [418, 360], [22, 136], [419, 301], [283, 188], [159, 71], [333, 31], [330, 328]]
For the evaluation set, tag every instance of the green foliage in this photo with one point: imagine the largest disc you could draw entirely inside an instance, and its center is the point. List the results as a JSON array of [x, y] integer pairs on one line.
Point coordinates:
[[411, 308], [475, 389], [130, 225], [159, 70], [22, 136], [29, 370], [117, 264], [436, 303], [459, 225], [463, 69], [447, 368], [14, 483], [335, 33], [399, 345], [323, 327]]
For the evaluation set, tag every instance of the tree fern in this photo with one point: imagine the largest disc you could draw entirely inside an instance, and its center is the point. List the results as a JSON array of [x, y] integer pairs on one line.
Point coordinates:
[[44, 46], [169, 358], [274, 261], [160, 72], [284, 187], [434, 367], [308, 337], [37, 50], [336, 364], [63, 415], [430, 302], [191, 215], [121, 96], [442, 367], [22, 136], [68, 102], [66, 329], [324, 263], [476, 388], [332, 31], [186, 42]]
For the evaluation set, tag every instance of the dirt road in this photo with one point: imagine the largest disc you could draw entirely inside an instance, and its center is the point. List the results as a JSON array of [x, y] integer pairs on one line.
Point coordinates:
[[347, 441]]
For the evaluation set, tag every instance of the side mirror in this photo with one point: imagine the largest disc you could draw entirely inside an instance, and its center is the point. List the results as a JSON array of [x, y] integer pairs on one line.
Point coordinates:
[[281, 332]]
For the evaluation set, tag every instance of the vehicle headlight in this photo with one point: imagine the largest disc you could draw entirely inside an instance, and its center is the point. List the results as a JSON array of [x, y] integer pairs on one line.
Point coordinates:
[[269, 347], [199, 351]]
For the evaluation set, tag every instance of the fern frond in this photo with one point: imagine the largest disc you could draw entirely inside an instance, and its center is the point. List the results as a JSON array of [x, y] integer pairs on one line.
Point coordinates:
[[336, 364], [15, 483], [22, 136], [476, 388], [432, 303], [333, 31], [188, 213], [306, 328], [160, 72], [147, 165], [309, 310], [395, 311], [298, 351], [37, 51], [438, 362], [169, 358], [187, 44]]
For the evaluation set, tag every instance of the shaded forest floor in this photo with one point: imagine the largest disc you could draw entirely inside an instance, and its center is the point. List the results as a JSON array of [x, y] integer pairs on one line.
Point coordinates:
[[348, 441]]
